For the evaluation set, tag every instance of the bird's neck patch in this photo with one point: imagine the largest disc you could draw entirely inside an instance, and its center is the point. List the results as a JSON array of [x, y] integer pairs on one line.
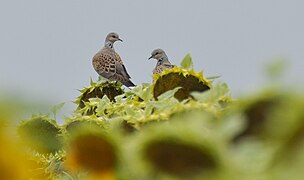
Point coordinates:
[[108, 44], [160, 61]]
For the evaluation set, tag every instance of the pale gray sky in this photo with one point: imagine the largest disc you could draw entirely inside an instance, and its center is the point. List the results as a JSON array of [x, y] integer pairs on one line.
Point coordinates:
[[47, 46]]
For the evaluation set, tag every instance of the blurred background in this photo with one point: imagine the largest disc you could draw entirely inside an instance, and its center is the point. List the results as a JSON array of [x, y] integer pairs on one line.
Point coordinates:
[[47, 46]]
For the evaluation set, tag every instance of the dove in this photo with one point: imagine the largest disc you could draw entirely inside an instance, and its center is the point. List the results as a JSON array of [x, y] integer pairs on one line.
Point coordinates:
[[108, 64], [162, 61]]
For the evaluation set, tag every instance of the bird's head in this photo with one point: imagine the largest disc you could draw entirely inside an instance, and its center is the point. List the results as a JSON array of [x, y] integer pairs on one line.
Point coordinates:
[[158, 54], [113, 37]]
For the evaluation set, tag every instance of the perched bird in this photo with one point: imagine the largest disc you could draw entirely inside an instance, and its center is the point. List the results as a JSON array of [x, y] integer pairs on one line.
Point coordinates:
[[162, 61], [108, 64]]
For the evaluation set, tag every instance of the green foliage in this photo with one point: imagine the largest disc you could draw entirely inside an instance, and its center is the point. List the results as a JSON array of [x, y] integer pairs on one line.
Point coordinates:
[[213, 96], [187, 62], [56, 108], [41, 134], [97, 90], [178, 127]]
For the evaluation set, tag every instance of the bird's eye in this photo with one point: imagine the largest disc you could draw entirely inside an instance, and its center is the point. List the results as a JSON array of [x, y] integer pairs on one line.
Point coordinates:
[[156, 53]]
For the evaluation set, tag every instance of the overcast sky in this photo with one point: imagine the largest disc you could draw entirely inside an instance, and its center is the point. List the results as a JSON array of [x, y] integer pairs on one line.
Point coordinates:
[[47, 46]]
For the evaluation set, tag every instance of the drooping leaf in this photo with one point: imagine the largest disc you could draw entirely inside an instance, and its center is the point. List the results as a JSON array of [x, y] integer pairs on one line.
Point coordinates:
[[168, 94]]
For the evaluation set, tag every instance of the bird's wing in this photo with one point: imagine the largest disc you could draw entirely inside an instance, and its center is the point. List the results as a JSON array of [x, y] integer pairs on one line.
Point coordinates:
[[108, 64], [121, 69], [104, 64], [117, 57], [120, 66], [168, 66]]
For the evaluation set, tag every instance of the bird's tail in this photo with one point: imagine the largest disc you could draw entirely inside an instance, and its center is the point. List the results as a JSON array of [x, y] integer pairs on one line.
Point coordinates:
[[128, 83]]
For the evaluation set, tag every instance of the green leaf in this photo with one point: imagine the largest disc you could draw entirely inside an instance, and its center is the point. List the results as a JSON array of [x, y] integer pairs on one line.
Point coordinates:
[[119, 98], [168, 94], [103, 104], [144, 91], [149, 109], [187, 62], [56, 108], [212, 77], [41, 134], [275, 69], [213, 94], [130, 111], [147, 93]]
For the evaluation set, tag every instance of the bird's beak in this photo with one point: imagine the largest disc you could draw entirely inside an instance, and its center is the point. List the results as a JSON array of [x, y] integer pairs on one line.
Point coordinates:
[[150, 57], [120, 40]]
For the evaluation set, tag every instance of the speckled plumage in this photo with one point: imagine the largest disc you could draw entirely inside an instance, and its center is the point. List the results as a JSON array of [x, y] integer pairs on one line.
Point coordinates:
[[159, 68], [108, 64], [162, 61]]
